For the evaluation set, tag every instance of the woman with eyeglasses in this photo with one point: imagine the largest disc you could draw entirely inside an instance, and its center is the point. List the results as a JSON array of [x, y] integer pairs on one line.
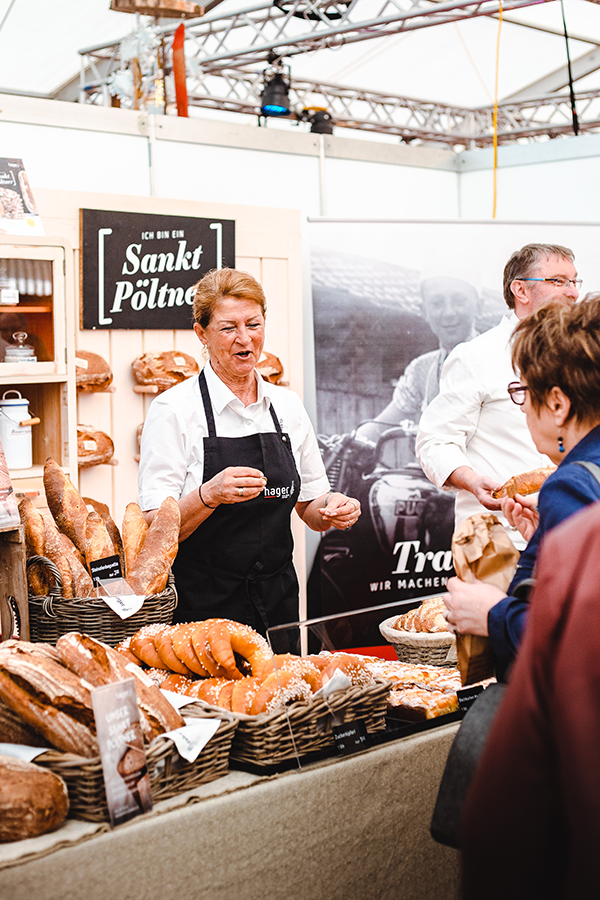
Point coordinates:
[[556, 350]]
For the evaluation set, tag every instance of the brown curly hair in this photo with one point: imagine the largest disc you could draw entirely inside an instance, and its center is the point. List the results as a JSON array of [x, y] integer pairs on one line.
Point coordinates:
[[559, 345]]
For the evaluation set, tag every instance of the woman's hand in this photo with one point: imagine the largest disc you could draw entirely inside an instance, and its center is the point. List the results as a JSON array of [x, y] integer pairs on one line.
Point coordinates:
[[468, 605], [235, 484], [339, 511], [331, 510], [522, 514]]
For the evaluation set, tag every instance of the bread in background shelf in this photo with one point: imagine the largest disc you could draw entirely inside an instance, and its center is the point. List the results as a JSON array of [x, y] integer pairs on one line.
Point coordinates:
[[92, 372], [163, 369], [94, 448]]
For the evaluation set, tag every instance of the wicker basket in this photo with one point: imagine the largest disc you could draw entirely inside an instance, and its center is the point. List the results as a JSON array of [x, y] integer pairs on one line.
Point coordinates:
[[417, 647], [54, 615], [169, 773], [266, 739]]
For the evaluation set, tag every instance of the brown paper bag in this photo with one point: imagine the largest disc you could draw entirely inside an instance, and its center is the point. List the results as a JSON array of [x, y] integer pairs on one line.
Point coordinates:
[[482, 550]]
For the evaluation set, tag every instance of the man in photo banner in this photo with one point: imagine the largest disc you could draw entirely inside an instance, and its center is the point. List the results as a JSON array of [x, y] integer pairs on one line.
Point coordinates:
[[450, 307], [472, 437]]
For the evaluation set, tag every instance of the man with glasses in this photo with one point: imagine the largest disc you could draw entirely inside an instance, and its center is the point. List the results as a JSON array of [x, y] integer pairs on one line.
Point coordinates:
[[472, 437]]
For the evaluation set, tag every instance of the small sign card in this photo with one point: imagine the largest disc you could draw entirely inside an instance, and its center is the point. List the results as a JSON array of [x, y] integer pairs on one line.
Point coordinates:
[[103, 569], [122, 752], [351, 736], [468, 695]]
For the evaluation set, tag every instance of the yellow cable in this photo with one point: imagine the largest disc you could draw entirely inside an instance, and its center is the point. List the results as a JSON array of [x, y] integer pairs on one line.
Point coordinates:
[[496, 111]]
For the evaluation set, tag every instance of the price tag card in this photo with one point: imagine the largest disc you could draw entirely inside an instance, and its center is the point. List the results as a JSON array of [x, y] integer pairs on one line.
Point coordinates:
[[351, 736], [122, 754], [467, 696], [125, 606], [103, 569], [193, 737]]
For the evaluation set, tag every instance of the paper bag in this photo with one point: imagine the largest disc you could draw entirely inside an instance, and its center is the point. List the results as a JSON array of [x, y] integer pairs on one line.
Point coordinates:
[[482, 550]]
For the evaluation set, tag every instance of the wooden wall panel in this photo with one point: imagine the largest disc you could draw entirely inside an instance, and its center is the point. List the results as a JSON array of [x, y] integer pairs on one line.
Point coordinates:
[[267, 245]]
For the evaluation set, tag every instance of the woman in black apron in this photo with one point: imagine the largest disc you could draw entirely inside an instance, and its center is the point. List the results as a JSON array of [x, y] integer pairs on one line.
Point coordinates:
[[235, 552]]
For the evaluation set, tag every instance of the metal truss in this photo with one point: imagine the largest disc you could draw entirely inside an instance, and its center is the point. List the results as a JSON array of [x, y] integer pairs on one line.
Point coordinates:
[[238, 91], [222, 51], [286, 28]]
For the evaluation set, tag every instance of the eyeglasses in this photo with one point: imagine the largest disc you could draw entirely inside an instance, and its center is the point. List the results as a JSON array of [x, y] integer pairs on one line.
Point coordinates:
[[558, 282], [517, 392]]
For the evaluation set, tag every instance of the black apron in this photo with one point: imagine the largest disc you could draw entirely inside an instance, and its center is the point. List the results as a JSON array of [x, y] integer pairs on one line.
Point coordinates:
[[238, 563]]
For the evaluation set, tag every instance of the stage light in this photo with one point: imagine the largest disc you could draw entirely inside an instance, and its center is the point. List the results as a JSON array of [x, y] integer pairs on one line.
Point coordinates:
[[275, 99], [321, 121]]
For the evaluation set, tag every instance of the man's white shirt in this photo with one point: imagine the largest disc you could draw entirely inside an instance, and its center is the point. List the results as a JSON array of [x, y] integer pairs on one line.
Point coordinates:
[[473, 422]]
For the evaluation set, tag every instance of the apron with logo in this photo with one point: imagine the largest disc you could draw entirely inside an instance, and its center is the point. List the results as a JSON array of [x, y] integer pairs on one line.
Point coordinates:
[[238, 563]]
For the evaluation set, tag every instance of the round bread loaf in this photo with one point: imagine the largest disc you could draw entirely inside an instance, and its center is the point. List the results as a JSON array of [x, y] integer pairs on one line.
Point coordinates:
[[269, 367], [92, 372], [33, 800], [93, 447], [164, 368]]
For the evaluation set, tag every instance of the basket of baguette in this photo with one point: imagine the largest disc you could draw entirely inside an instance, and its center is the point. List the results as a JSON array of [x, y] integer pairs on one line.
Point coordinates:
[[63, 546], [421, 635], [45, 701], [282, 702]]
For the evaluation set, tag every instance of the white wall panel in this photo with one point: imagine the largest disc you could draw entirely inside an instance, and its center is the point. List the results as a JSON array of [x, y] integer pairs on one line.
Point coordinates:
[[376, 190], [76, 160], [228, 175]]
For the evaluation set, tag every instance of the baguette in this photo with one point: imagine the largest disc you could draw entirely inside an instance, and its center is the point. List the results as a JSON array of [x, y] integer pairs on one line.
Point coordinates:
[[134, 532], [81, 580], [33, 523], [55, 552], [99, 664], [50, 698], [33, 800], [66, 504], [524, 484], [150, 571], [98, 544]]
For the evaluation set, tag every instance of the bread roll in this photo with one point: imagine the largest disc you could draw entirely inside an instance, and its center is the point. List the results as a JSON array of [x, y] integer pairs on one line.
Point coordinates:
[[164, 368], [525, 483], [33, 800], [99, 664], [66, 504], [93, 447], [134, 531], [92, 372], [150, 571], [50, 698]]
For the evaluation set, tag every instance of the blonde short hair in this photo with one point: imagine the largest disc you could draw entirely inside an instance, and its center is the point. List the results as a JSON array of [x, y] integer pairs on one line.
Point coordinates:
[[220, 283]]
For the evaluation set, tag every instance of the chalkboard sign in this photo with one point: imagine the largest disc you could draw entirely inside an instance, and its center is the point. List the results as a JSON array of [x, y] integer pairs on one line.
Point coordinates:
[[138, 270]]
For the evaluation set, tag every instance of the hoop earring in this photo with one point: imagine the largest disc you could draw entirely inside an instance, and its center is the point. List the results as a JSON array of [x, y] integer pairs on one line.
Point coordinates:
[[561, 446]]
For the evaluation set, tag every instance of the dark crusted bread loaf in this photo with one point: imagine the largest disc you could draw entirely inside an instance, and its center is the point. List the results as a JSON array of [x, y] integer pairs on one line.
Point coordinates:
[[33, 800], [99, 664], [50, 698]]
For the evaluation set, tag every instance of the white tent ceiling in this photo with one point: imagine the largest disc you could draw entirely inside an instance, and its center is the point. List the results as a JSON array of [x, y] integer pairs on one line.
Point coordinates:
[[451, 63]]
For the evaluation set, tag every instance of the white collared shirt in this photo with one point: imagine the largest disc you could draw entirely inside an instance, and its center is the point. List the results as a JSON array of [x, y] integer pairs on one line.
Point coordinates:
[[473, 422], [172, 448]]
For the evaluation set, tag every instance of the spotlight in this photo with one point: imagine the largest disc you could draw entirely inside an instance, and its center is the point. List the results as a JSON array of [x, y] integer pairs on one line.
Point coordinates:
[[275, 96], [321, 121]]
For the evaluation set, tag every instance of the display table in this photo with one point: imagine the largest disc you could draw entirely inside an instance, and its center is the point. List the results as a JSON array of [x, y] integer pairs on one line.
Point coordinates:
[[352, 828]]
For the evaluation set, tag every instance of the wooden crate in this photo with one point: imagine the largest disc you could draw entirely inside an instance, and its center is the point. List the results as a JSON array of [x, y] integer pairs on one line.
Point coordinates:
[[13, 582]]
